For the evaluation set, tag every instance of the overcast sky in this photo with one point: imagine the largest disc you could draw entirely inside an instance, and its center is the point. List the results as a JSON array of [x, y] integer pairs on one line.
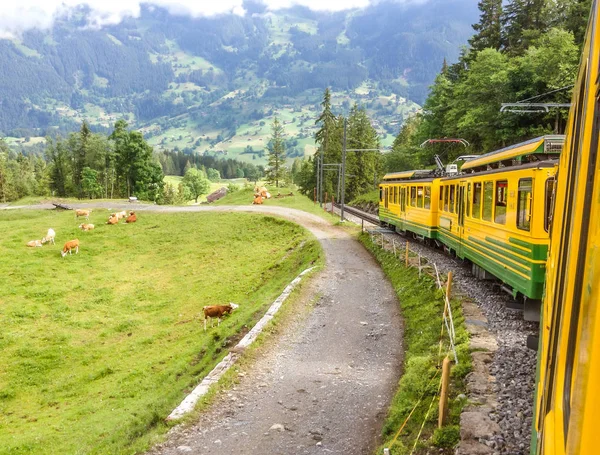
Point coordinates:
[[17, 16]]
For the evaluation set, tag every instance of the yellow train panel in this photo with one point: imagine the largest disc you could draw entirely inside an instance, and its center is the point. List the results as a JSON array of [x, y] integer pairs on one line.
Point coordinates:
[[568, 396]]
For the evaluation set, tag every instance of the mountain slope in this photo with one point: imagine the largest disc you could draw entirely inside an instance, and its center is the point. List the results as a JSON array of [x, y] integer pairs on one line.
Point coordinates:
[[214, 85]]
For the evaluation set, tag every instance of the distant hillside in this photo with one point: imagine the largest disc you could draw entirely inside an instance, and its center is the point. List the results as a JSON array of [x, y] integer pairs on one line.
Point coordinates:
[[214, 85]]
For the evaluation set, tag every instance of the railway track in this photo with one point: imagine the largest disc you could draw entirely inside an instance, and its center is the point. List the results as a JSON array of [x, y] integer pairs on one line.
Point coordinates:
[[373, 219]]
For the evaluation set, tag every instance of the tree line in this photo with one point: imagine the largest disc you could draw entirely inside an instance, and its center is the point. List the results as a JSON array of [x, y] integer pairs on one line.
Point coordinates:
[[121, 164], [522, 50]]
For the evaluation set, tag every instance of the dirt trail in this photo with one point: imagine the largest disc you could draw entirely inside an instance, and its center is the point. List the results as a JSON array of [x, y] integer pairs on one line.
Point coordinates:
[[325, 385]]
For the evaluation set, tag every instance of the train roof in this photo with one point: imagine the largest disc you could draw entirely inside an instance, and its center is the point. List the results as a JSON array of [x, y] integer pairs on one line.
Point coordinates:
[[407, 175], [544, 145]]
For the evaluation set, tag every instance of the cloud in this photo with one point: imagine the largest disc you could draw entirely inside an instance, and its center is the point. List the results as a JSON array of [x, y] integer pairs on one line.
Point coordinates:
[[22, 15]]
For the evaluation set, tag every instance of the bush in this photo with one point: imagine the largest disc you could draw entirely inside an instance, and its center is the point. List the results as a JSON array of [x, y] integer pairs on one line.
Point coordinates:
[[446, 437], [232, 188]]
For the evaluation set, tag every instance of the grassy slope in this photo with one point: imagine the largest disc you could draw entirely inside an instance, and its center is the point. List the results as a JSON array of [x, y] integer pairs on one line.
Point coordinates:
[[99, 347], [298, 201], [422, 308]]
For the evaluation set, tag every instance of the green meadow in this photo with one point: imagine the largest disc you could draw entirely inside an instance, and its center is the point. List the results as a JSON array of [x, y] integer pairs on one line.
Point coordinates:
[[98, 348]]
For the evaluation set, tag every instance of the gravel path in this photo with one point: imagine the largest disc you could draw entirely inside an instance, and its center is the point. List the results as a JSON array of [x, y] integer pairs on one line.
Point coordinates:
[[325, 385]]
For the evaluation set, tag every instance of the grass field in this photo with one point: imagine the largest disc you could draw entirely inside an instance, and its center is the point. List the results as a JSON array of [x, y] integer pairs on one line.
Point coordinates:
[[98, 348]]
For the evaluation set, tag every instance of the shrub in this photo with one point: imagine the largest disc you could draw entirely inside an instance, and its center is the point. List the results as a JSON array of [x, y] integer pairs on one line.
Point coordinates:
[[446, 437]]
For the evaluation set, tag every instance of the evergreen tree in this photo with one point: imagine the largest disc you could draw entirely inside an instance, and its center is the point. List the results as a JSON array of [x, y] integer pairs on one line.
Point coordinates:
[[522, 22], [327, 140], [79, 151], [276, 149], [489, 28], [365, 167], [59, 166]]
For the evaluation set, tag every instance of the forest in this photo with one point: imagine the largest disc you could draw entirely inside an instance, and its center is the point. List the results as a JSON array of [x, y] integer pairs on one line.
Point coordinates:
[[522, 50]]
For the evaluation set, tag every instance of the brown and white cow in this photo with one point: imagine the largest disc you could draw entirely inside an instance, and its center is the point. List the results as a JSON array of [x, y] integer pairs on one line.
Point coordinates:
[[217, 311]]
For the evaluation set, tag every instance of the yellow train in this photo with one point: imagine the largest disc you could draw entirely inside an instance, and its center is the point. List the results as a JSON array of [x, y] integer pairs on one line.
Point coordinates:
[[495, 213], [568, 386]]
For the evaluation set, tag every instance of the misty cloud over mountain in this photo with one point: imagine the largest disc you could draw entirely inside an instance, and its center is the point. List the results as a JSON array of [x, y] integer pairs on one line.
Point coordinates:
[[18, 17]]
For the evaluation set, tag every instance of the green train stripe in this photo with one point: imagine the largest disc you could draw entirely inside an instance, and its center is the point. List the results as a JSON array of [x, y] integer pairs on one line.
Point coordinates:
[[502, 253]]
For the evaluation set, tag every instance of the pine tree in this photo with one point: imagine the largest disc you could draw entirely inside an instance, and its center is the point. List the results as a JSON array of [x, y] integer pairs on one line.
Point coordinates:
[[324, 140], [522, 22], [489, 28], [276, 149], [365, 167], [80, 151]]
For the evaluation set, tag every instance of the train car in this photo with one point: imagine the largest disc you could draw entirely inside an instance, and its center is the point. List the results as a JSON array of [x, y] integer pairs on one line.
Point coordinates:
[[408, 201], [567, 405], [496, 214]]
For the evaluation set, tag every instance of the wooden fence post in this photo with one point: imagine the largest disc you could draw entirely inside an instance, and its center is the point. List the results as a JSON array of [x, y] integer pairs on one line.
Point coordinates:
[[315, 196], [449, 285], [407, 254], [332, 202], [325, 205], [443, 414]]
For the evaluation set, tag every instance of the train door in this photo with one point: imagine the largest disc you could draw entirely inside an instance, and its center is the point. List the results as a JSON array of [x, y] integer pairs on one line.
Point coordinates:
[[461, 208], [386, 196]]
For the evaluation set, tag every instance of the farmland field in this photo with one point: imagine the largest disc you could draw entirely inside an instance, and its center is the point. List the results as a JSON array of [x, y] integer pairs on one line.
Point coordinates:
[[98, 348]]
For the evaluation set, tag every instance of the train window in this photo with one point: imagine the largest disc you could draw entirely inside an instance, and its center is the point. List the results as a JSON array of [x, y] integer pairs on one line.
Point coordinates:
[[427, 197], [441, 204], [452, 190], [381, 194], [395, 195], [524, 204], [548, 203], [488, 200], [446, 193], [500, 203], [477, 200], [469, 202], [413, 196], [420, 196]]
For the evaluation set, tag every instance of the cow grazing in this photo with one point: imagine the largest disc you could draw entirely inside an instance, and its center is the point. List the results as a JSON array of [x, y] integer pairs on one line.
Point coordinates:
[[49, 236], [217, 311], [34, 243], [257, 199], [131, 218], [69, 246], [112, 220], [84, 213], [86, 227]]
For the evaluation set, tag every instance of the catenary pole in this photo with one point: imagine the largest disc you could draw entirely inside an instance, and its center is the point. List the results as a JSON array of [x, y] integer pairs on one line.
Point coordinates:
[[343, 174], [321, 179]]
